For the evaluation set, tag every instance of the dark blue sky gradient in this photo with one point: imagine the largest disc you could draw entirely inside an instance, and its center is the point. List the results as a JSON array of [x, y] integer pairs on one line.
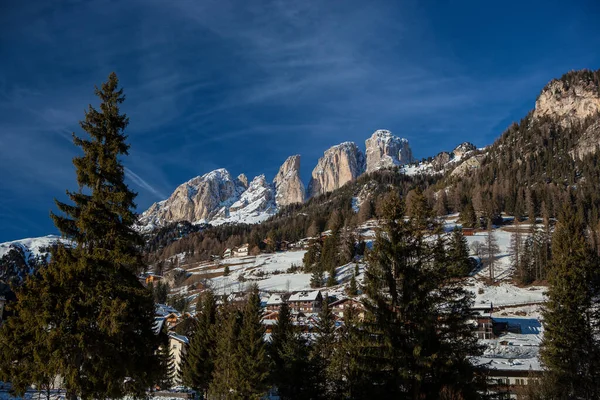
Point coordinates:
[[244, 84]]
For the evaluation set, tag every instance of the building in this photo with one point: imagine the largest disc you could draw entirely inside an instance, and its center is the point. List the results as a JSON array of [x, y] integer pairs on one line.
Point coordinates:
[[151, 279], [468, 231], [485, 323], [274, 302], [178, 347], [306, 302], [241, 251], [339, 307], [227, 253]]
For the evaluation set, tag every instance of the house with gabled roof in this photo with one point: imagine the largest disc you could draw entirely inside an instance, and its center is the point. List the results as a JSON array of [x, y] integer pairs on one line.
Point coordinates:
[[275, 301], [306, 301]]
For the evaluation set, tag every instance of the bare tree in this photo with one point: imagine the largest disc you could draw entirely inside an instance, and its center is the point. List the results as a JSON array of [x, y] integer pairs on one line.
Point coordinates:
[[491, 250]]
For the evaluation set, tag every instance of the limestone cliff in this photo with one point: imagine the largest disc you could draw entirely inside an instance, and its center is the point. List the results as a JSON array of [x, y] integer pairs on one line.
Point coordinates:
[[288, 185], [339, 165], [384, 150]]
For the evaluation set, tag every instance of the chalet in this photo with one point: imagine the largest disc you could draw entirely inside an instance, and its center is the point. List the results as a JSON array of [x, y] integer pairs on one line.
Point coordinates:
[[172, 319], [274, 302], [284, 245], [241, 251], [178, 346], [162, 310], [228, 253], [269, 320], [482, 316], [306, 302], [151, 279], [338, 307]]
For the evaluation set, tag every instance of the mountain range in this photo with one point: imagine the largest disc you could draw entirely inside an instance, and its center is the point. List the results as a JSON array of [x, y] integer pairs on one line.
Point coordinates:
[[535, 164], [218, 198]]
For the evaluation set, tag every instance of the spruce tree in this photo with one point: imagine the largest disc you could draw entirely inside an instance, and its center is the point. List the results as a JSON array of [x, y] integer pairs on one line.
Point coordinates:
[[101, 339], [199, 360], [348, 370], [297, 379], [418, 322], [323, 348], [467, 217], [291, 370], [353, 288], [252, 362], [316, 279], [458, 262], [166, 362], [225, 376], [570, 350]]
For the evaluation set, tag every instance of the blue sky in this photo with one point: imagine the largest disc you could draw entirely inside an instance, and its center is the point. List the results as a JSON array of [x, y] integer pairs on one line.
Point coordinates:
[[244, 84]]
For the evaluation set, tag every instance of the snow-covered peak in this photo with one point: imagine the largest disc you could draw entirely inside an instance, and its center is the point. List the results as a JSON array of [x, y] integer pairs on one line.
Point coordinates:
[[384, 150]]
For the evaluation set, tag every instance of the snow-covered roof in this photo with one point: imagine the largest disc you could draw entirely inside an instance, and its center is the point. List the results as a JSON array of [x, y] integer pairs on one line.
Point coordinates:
[[163, 310], [180, 338], [275, 300], [304, 296]]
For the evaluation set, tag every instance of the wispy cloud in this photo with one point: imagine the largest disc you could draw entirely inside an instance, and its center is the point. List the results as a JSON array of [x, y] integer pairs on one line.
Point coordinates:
[[143, 184]]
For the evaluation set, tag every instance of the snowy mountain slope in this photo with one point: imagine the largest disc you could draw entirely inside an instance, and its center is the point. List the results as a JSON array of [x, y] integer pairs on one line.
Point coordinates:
[[213, 197], [20, 258], [30, 246]]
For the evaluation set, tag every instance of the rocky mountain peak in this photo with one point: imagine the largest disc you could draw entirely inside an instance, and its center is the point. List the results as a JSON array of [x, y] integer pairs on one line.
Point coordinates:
[[575, 96], [384, 150], [463, 148], [194, 200], [243, 180], [340, 164], [288, 185]]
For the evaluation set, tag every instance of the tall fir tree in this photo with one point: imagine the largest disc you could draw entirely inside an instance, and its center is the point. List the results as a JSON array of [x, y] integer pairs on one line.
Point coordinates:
[[225, 375], [323, 348], [292, 373], [166, 362], [101, 317], [570, 349], [252, 362], [348, 370], [199, 360], [457, 261], [467, 217], [418, 321]]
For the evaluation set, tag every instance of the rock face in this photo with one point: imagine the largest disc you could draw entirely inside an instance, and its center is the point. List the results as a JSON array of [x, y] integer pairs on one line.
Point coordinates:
[[589, 141], [571, 98], [441, 160], [288, 185], [339, 165], [254, 205], [212, 196], [463, 149], [468, 165], [384, 150]]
